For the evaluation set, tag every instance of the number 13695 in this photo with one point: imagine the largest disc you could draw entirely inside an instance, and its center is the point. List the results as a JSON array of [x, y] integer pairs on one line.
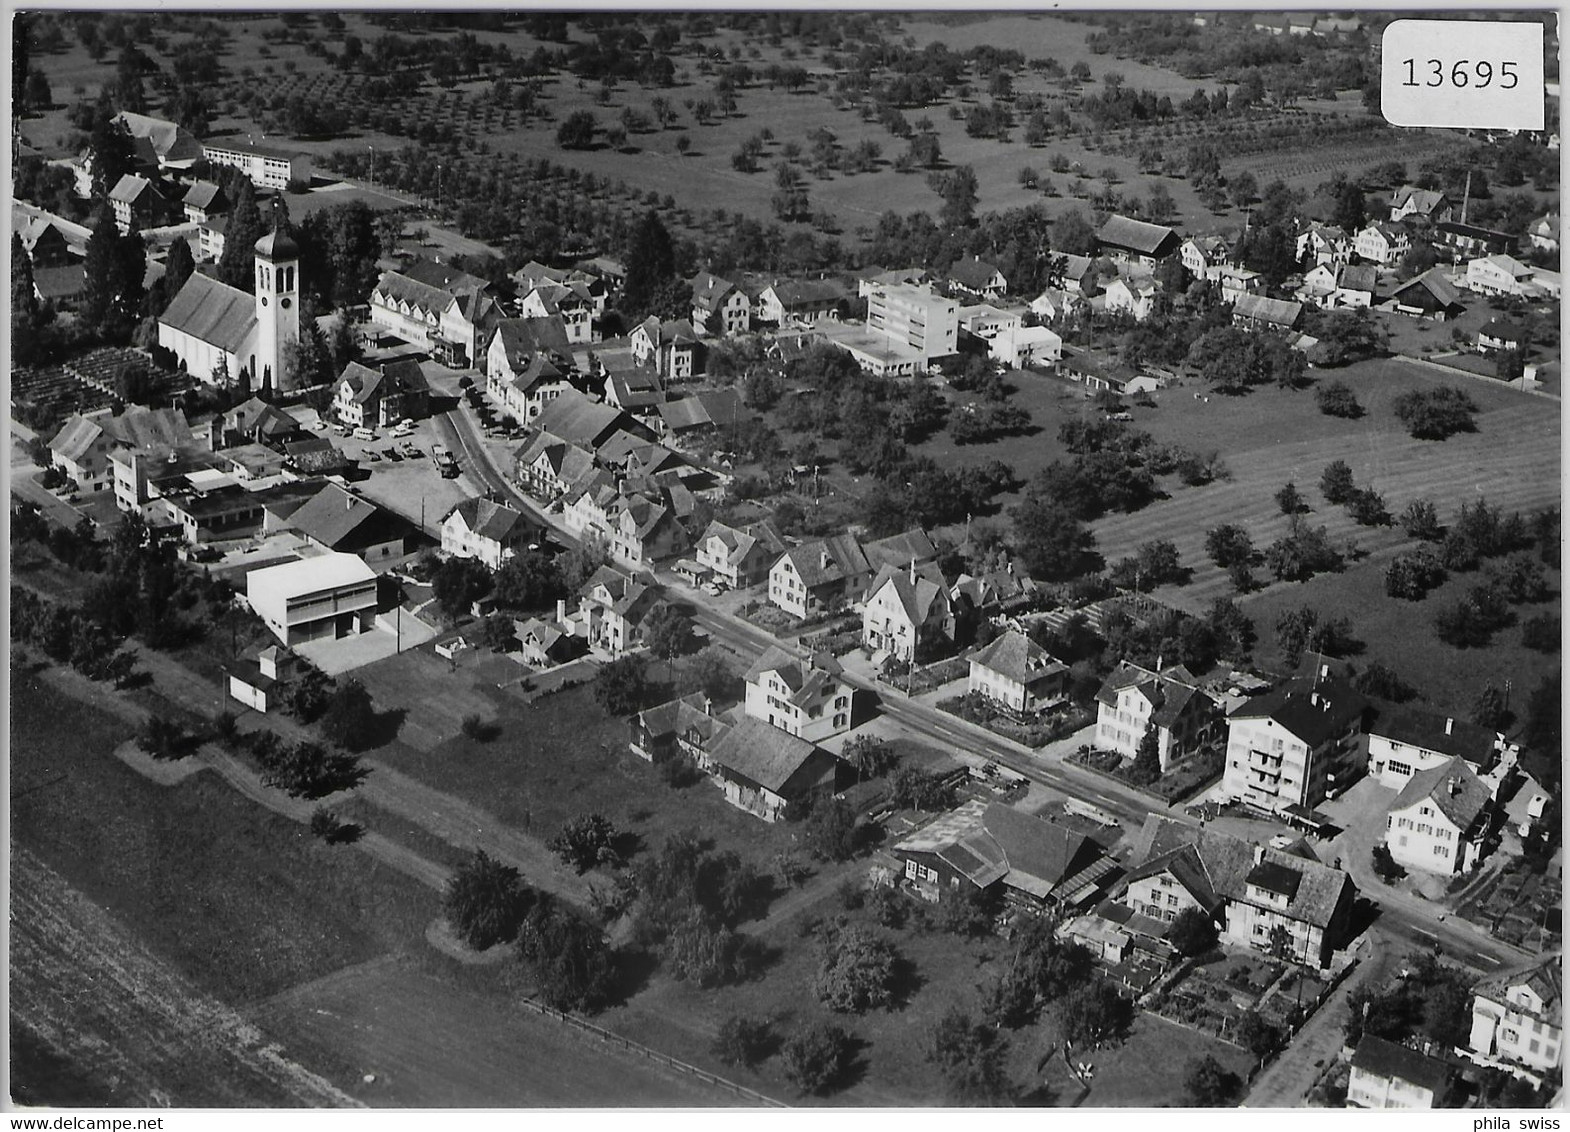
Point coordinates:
[[1461, 73]]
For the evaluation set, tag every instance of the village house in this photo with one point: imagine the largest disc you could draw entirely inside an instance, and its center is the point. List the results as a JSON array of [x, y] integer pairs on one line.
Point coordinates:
[[811, 699], [684, 726], [1201, 254], [254, 421], [1428, 205], [635, 391], [83, 446], [1039, 865], [1518, 1017], [719, 306], [1543, 233], [220, 332], [548, 466], [1296, 745], [1135, 241], [1018, 674], [569, 303], [1054, 303], [534, 274], [1318, 286], [381, 397], [1355, 287], [698, 413], [1131, 294], [1260, 312], [1235, 281], [670, 347], [1500, 334], [1382, 243], [546, 644], [1430, 295], [611, 609], [1249, 890], [527, 365], [1324, 244], [739, 557], [336, 519], [1132, 699], [1405, 740], [1386, 1075], [1440, 820], [257, 676], [483, 529], [45, 243], [977, 278], [639, 529], [1021, 347], [818, 577], [799, 302], [908, 613], [203, 201], [1506, 275], [769, 772], [437, 308]]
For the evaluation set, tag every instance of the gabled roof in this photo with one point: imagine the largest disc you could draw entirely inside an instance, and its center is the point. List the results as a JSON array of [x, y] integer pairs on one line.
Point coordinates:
[[395, 286], [1393, 233], [845, 560], [523, 337], [1389, 1061], [170, 141], [1136, 235], [1503, 329], [806, 679], [1230, 864], [491, 520], [812, 293], [914, 545], [1168, 691], [1419, 200], [916, 596], [202, 194], [1507, 264], [739, 542], [1260, 308], [973, 273], [1433, 283], [627, 593], [341, 520], [709, 291], [986, 842], [391, 378], [1359, 277], [129, 188], [1018, 658], [256, 415], [768, 756], [76, 438], [65, 282], [1543, 976], [1445, 735], [1452, 787], [212, 312], [1313, 711], [578, 419], [680, 716]]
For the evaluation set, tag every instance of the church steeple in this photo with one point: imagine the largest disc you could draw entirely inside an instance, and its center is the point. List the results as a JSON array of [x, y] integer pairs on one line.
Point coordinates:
[[277, 303]]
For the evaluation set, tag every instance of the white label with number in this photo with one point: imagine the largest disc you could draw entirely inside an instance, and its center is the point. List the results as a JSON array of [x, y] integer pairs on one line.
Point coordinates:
[[1468, 74]]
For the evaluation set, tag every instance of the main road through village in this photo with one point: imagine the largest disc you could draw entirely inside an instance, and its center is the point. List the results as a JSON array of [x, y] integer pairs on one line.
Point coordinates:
[[1418, 926]]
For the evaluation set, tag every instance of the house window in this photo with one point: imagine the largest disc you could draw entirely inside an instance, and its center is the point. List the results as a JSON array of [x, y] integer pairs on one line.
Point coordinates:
[[912, 869], [1398, 767]]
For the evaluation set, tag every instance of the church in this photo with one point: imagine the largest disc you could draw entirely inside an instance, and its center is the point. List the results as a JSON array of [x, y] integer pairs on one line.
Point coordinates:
[[221, 334]]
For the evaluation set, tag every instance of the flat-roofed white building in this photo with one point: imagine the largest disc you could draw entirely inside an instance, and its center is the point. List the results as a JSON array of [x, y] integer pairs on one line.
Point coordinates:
[[916, 318], [267, 167], [314, 599]]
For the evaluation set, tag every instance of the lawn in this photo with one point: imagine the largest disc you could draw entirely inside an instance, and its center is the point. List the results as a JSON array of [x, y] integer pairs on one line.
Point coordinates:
[[242, 901], [1149, 1069], [561, 756]]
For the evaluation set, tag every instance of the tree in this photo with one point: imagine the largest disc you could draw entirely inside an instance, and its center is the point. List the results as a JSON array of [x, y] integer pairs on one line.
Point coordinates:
[[1489, 708], [485, 901], [1337, 485], [869, 755], [178, 267], [1094, 1012], [1436, 414], [1229, 544], [1336, 399], [1290, 500], [970, 1057], [650, 263], [1346, 336], [831, 830], [112, 298], [1542, 634], [817, 1057], [568, 958], [1210, 1084], [714, 676], [1367, 508], [1349, 211], [1303, 630], [349, 717], [1159, 562], [856, 970], [530, 580], [1411, 575], [1384, 864], [1421, 521], [1256, 1034], [458, 583], [1051, 542], [111, 149], [1382, 682], [917, 789], [309, 693], [1146, 767], [587, 841], [1041, 969], [958, 190], [1193, 933], [576, 130], [622, 686], [162, 738], [742, 1041], [237, 265], [1072, 234], [668, 633]]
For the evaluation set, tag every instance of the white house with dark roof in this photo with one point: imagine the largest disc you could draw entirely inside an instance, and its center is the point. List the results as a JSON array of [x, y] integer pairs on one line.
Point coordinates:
[[1543, 233], [1295, 745], [976, 277], [137, 203], [483, 529], [670, 346], [611, 609], [1324, 243], [1260, 312], [436, 308], [1016, 672], [1431, 205], [1134, 698], [81, 449], [1250, 890], [366, 397], [739, 557], [818, 577], [572, 303], [1518, 1017], [1382, 243], [1500, 334], [203, 201], [527, 365], [719, 306], [811, 699], [1440, 820], [1203, 254], [1406, 740], [219, 332], [799, 302], [1038, 864], [1387, 1075], [908, 611]]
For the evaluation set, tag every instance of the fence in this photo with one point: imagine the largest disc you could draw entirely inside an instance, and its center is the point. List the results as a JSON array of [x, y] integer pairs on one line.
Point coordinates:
[[648, 1054]]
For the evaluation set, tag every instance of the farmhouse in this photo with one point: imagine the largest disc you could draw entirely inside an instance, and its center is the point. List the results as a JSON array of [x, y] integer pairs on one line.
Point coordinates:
[[544, 644], [338, 520], [485, 530], [1296, 745], [203, 201], [799, 302], [220, 332], [1039, 866], [1017, 673], [1132, 699], [1518, 1016], [977, 278], [1251, 890], [686, 726], [1386, 1075], [1260, 312], [314, 599], [1136, 241], [808, 698], [1439, 821], [1200, 254], [768, 772], [137, 204], [1430, 295]]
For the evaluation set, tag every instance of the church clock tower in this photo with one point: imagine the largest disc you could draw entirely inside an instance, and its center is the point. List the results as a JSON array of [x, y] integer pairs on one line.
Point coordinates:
[[277, 309]]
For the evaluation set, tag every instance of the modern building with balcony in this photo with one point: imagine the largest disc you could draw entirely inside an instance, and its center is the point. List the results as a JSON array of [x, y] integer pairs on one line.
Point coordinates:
[[314, 599], [1295, 746]]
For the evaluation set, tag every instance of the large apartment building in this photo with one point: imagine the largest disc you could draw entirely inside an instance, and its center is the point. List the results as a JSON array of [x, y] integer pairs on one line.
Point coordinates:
[[1296, 745], [916, 317]]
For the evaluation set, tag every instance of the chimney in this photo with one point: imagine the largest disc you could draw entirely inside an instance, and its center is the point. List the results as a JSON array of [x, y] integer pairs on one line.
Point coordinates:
[[1449, 724], [913, 571], [1259, 854], [1453, 784], [708, 706], [561, 611]]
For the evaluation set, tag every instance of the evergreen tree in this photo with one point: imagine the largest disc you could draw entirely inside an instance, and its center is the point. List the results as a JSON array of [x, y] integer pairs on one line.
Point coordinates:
[[651, 262], [110, 146], [236, 266], [24, 300], [1147, 758], [114, 267], [178, 267]]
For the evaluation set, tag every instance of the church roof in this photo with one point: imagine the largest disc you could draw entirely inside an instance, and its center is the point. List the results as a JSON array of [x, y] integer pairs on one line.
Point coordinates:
[[277, 245], [212, 312]]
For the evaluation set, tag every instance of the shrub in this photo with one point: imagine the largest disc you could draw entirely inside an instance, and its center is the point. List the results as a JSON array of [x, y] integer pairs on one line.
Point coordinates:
[[485, 901], [478, 729], [1336, 399], [1412, 575], [742, 1041], [1337, 485], [817, 1058], [856, 970], [1367, 508], [586, 841]]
